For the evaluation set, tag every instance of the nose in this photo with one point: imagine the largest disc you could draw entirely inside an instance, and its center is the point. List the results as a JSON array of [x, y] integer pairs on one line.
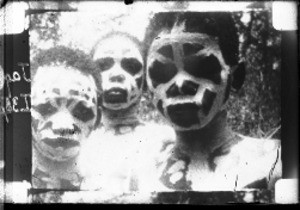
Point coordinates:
[[187, 88], [63, 124], [117, 78]]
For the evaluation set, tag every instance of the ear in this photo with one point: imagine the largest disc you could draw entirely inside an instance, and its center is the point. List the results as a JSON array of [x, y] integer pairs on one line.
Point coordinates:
[[99, 111], [99, 118], [238, 76]]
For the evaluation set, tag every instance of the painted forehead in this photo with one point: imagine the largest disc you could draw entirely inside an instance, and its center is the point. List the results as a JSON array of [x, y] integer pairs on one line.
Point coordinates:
[[117, 46], [181, 36], [186, 50], [62, 81], [186, 43], [196, 53]]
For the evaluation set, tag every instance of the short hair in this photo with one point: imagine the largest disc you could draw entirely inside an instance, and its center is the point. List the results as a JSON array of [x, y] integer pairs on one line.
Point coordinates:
[[132, 38], [218, 24], [70, 57]]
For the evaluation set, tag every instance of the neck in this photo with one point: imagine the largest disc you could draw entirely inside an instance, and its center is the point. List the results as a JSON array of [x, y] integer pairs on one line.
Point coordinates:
[[46, 164], [213, 137], [114, 119]]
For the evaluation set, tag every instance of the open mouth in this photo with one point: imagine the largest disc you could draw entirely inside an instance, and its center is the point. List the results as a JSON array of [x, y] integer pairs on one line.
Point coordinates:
[[184, 115], [115, 95], [61, 142]]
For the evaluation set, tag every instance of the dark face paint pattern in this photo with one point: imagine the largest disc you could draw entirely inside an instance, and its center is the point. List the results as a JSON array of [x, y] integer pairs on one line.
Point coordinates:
[[173, 91], [105, 63], [115, 95], [139, 81], [80, 111], [204, 67], [199, 66], [188, 88], [186, 115], [131, 65], [190, 49], [83, 113], [160, 107], [166, 51], [45, 109], [207, 101], [161, 72]]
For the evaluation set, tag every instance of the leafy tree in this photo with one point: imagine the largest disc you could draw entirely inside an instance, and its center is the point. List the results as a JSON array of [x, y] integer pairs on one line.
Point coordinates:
[[258, 103], [44, 28]]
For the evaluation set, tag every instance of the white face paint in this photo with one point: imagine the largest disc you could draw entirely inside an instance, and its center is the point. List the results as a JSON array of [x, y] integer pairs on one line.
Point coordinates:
[[121, 65], [64, 110], [188, 76]]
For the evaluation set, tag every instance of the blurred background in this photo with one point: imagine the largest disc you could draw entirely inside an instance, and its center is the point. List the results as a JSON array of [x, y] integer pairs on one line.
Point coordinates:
[[254, 111]]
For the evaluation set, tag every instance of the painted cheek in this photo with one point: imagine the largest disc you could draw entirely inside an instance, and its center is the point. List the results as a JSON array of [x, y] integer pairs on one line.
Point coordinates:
[[139, 81], [207, 101], [105, 80]]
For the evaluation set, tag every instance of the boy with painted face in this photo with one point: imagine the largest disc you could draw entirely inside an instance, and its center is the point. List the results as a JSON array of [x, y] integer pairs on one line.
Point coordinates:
[[64, 97], [120, 62], [125, 153], [191, 67]]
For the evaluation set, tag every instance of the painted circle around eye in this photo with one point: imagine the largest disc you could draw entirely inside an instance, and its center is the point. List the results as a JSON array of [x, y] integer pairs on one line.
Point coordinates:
[[131, 65], [204, 67], [45, 109], [161, 72], [105, 63], [83, 113]]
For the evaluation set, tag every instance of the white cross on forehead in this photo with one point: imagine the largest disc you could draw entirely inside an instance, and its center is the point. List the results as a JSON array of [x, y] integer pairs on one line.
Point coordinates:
[[62, 81], [177, 38]]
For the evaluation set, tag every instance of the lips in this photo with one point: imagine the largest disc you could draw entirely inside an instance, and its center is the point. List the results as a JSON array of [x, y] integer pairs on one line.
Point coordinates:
[[61, 142], [184, 115], [115, 95]]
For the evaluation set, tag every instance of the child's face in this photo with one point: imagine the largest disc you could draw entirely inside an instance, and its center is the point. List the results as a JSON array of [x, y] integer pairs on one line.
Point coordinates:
[[64, 110], [188, 76], [120, 64]]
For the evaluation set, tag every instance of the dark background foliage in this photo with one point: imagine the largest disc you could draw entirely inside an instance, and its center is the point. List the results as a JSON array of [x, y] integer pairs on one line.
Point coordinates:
[[256, 109]]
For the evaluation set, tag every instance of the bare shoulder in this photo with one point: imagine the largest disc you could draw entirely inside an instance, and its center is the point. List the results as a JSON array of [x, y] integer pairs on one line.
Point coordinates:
[[257, 146], [258, 159]]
